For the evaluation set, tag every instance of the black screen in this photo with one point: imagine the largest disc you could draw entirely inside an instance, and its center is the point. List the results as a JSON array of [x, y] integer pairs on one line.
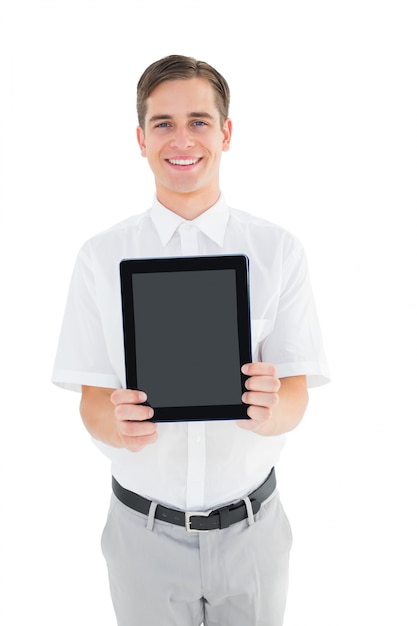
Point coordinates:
[[186, 333]]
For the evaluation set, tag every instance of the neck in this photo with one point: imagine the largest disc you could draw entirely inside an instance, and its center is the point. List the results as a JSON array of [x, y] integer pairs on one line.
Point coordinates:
[[188, 205]]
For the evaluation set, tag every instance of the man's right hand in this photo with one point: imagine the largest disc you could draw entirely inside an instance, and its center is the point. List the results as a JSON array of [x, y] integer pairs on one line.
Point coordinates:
[[132, 419], [118, 417]]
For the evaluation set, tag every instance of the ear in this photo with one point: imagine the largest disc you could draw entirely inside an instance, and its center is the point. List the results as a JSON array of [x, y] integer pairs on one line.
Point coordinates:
[[140, 134], [227, 134]]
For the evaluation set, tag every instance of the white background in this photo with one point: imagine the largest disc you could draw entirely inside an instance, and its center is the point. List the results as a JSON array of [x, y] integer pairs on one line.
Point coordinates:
[[324, 107]]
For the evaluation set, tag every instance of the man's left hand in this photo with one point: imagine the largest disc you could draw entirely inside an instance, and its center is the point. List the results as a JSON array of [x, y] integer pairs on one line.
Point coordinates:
[[275, 406]]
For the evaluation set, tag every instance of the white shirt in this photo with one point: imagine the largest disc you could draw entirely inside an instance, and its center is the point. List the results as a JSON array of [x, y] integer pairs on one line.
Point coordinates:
[[202, 465]]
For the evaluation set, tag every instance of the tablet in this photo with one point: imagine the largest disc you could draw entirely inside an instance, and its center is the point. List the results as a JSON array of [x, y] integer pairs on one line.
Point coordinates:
[[186, 326]]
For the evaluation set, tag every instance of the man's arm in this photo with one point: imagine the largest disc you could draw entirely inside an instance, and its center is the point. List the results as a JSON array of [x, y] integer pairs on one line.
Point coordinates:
[[276, 406], [117, 417]]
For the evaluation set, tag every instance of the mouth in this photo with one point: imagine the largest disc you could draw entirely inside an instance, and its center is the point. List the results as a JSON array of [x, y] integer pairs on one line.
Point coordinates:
[[183, 162]]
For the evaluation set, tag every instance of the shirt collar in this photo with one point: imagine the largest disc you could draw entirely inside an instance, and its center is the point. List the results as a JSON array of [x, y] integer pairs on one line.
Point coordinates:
[[212, 222]]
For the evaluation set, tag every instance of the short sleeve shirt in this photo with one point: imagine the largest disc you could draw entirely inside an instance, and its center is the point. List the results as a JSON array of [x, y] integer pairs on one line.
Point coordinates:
[[192, 466]]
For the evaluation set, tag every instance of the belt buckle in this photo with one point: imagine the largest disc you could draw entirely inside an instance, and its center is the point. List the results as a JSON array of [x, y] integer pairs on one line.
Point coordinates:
[[189, 514]]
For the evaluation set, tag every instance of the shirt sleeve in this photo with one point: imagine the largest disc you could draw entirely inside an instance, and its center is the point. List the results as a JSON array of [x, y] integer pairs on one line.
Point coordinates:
[[295, 343], [82, 356]]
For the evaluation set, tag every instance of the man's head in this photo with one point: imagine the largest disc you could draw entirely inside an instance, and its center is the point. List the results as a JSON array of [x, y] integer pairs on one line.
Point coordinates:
[[183, 130], [178, 67]]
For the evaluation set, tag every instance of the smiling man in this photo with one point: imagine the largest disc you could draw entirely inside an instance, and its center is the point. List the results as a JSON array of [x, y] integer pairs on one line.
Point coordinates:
[[183, 136], [196, 530]]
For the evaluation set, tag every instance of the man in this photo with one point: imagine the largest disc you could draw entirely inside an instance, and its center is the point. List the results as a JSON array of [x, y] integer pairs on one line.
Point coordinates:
[[234, 569]]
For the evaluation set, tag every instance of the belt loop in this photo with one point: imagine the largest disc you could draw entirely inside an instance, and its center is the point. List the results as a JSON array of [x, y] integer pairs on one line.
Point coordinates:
[[151, 515], [248, 503]]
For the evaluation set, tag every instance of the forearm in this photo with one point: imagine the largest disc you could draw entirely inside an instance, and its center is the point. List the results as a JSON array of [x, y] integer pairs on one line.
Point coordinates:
[[293, 401], [97, 412]]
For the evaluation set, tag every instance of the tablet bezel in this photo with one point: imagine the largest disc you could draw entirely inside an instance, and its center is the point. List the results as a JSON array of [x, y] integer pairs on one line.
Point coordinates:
[[237, 262]]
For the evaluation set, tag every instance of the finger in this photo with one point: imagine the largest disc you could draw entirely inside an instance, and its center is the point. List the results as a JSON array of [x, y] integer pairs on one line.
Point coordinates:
[[133, 412], [137, 429], [260, 399], [135, 444], [269, 384], [128, 396], [259, 414], [258, 417], [259, 369]]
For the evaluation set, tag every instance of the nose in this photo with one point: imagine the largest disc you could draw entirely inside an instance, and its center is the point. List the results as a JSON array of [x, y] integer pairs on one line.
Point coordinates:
[[181, 138]]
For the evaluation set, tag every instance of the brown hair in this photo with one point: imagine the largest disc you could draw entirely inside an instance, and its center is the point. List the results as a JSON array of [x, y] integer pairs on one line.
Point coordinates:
[[178, 67]]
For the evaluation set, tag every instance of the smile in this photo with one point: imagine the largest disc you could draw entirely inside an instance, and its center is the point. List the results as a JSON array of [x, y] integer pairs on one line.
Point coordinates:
[[183, 161]]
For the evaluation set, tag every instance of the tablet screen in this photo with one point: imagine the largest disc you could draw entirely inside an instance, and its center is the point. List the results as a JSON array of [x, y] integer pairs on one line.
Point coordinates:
[[187, 334]]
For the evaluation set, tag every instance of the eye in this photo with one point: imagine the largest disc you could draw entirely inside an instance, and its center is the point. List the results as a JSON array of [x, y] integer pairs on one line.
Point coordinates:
[[162, 125], [199, 123]]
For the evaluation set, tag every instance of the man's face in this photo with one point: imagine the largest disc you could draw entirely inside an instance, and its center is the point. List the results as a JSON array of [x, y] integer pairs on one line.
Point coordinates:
[[183, 139]]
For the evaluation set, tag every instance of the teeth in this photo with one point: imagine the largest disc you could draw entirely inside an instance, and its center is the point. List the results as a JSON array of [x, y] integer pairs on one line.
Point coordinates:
[[183, 161]]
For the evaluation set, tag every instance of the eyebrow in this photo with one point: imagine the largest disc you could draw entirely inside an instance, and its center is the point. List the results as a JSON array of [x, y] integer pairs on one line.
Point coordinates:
[[201, 114]]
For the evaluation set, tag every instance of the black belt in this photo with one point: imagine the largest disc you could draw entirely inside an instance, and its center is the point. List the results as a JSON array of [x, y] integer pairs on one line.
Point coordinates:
[[195, 521]]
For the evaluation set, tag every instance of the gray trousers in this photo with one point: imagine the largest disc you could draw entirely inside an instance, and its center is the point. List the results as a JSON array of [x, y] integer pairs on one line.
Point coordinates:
[[160, 575]]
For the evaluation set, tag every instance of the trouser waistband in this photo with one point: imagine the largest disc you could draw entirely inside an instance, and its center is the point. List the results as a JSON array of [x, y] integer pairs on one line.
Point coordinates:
[[197, 521]]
